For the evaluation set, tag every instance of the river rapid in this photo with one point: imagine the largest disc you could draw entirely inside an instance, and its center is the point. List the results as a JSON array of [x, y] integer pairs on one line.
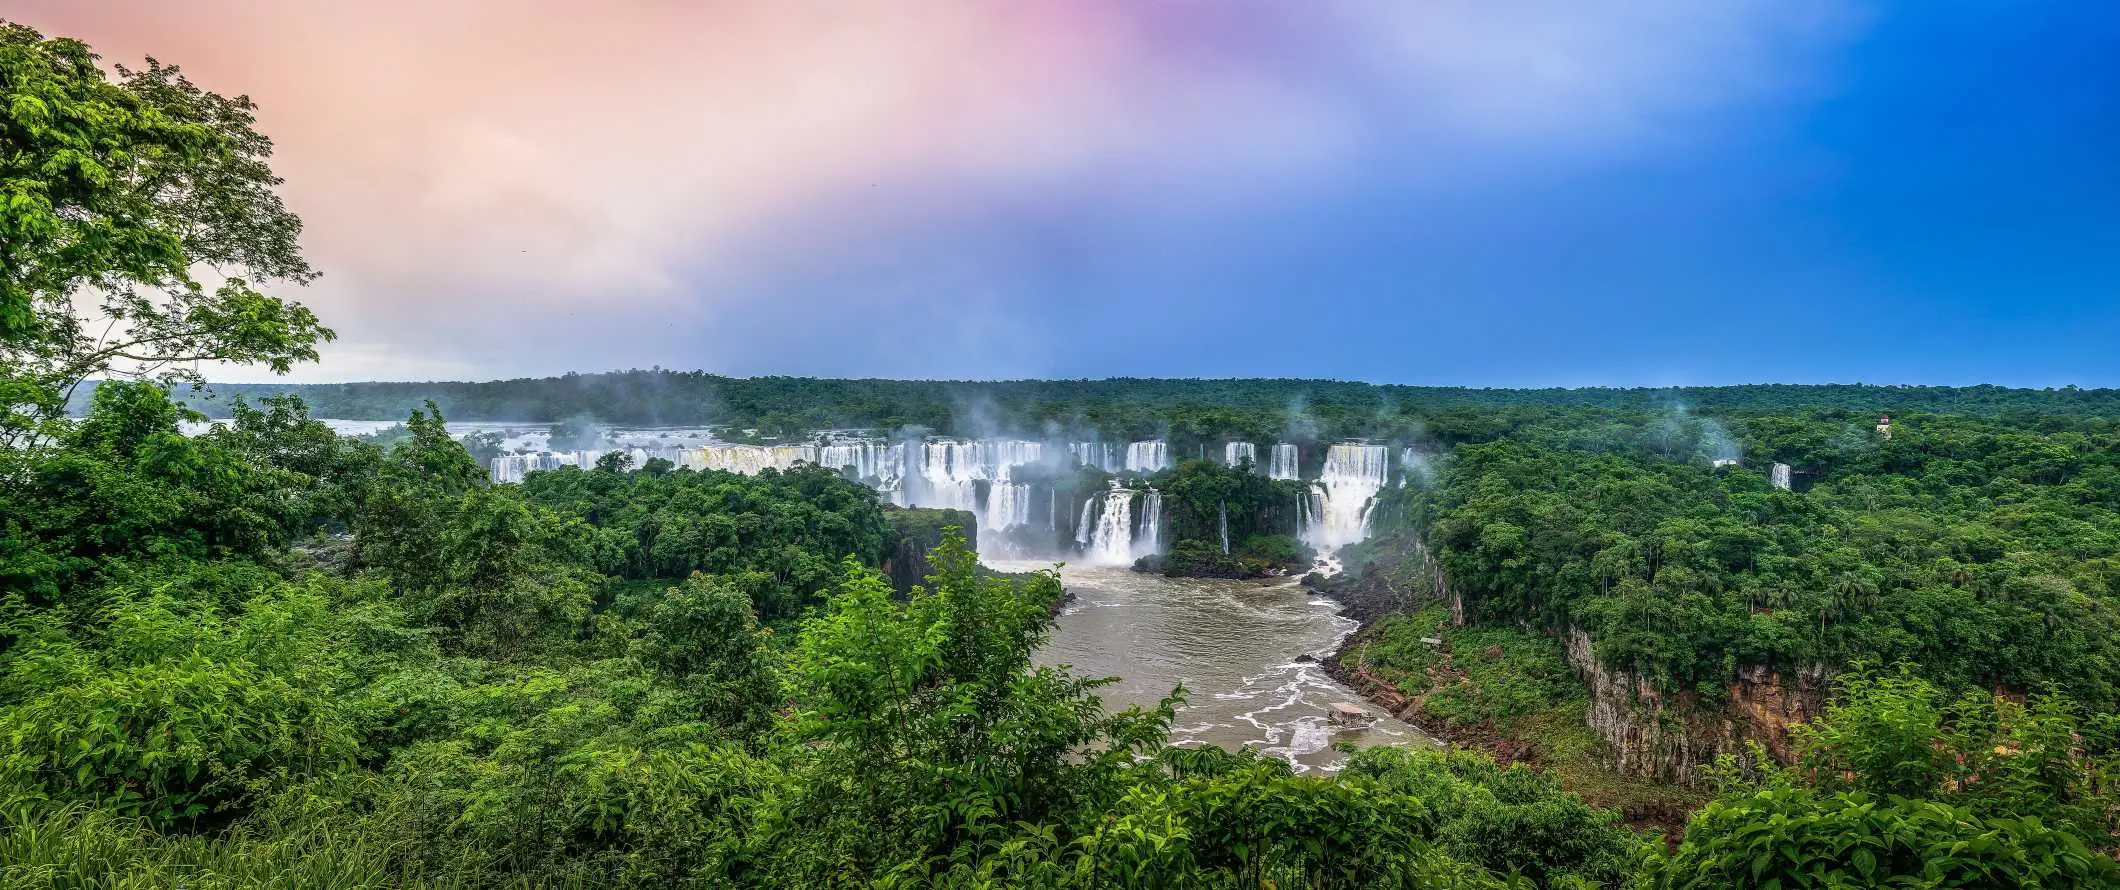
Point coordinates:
[[1235, 645]]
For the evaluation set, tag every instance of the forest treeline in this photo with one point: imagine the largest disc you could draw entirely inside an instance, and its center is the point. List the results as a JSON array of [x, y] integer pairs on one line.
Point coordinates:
[[1125, 408]]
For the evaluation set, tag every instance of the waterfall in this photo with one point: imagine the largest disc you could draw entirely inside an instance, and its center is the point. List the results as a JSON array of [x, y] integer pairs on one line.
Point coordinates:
[[949, 476], [873, 461], [1096, 455], [1147, 457], [1222, 518], [1082, 525], [749, 460], [1345, 491], [1150, 540], [1111, 541], [1008, 503], [1235, 454], [1285, 464], [1781, 476]]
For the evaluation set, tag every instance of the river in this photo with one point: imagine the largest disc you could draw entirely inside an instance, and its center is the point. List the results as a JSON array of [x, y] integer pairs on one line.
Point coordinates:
[[1233, 644]]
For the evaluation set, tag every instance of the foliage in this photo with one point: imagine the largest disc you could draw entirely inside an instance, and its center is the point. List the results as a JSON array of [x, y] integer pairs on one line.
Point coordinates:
[[777, 536], [1895, 786], [116, 189], [1943, 546]]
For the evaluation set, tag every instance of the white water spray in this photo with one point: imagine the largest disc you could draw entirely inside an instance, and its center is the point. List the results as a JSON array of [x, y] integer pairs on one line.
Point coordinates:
[[1345, 491]]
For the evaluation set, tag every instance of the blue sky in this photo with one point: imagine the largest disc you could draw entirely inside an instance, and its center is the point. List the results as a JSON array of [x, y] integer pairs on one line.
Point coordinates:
[[1941, 204], [1518, 192]]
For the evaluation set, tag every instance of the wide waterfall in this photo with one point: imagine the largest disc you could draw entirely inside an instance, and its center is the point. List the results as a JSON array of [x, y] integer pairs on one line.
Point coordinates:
[[1148, 457], [1781, 476], [984, 477], [1285, 464], [1344, 493], [876, 462], [1234, 454]]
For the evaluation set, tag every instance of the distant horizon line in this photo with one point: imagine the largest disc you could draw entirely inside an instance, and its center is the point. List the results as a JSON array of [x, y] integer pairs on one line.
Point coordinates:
[[2071, 387]]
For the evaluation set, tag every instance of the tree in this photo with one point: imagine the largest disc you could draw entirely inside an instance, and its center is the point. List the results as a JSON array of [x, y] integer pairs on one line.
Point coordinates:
[[141, 215]]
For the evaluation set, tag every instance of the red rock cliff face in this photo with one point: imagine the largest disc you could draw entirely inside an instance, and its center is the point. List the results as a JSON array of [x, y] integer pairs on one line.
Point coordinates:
[[1669, 736]]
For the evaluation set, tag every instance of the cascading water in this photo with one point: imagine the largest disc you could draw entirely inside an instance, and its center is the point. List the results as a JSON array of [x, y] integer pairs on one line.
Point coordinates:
[[1781, 476], [1234, 454], [1008, 503], [1149, 540], [1285, 464], [1111, 541], [949, 476], [980, 476], [1222, 519], [1083, 530], [1147, 457], [1345, 491], [1096, 455]]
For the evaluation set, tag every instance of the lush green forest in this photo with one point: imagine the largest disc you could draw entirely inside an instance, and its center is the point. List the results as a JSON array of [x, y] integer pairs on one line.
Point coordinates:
[[1986, 550], [269, 656], [1188, 411]]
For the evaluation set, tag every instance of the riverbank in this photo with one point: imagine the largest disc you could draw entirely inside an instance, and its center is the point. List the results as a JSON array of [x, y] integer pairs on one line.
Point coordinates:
[[1506, 692]]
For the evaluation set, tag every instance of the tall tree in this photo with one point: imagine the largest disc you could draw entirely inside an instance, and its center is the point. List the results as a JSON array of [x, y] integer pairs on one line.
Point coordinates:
[[141, 218]]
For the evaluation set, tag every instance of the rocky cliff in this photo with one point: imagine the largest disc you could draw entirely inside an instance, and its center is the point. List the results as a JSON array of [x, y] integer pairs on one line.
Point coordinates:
[[1666, 735], [918, 531], [1652, 733]]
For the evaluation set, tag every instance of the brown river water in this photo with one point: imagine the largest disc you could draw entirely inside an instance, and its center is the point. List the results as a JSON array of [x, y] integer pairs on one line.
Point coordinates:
[[1233, 644]]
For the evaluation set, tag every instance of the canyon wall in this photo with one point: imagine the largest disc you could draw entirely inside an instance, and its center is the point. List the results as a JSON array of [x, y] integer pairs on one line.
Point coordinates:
[[1659, 734]]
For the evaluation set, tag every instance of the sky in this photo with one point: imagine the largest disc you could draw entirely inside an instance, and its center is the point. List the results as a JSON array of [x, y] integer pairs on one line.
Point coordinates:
[[1449, 192]]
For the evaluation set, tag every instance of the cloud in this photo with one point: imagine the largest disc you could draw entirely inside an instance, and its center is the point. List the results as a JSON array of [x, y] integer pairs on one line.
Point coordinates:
[[480, 176]]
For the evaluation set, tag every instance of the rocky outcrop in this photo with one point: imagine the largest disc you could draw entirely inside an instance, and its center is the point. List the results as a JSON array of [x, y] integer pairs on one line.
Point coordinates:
[[1659, 734], [1654, 733], [917, 531]]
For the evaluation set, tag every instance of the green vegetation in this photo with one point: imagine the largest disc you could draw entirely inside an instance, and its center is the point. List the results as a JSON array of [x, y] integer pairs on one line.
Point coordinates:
[[115, 190], [270, 656], [1206, 504], [1511, 693], [1983, 550]]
